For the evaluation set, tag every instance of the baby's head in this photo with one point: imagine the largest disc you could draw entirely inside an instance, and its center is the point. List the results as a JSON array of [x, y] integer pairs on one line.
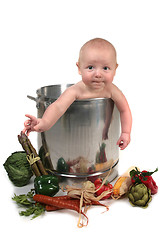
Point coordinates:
[[98, 44], [97, 62]]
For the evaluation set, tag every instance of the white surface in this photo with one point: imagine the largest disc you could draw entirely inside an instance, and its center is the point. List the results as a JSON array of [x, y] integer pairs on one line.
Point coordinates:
[[39, 45]]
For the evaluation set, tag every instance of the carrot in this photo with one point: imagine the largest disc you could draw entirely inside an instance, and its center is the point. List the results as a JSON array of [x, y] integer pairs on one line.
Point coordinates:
[[60, 203], [66, 198], [53, 208], [57, 202]]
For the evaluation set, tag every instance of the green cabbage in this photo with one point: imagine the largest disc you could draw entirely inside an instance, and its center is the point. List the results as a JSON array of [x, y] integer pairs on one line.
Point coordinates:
[[18, 169]]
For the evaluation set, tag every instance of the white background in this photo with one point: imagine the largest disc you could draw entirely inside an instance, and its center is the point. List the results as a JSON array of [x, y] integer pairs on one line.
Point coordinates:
[[39, 46]]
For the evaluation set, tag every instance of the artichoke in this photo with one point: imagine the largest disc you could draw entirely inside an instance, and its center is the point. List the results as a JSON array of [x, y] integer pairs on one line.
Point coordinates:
[[139, 195]]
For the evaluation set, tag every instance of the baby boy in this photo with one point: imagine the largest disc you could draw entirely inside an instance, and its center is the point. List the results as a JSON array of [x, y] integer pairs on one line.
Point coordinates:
[[97, 65]]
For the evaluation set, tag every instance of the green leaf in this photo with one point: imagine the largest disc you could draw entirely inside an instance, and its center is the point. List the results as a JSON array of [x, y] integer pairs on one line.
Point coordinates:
[[134, 172], [149, 173], [144, 178], [106, 183], [26, 201], [137, 180], [22, 200], [35, 210]]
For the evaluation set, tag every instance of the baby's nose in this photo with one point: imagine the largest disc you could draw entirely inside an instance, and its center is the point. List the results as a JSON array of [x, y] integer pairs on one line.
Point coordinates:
[[98, 73]]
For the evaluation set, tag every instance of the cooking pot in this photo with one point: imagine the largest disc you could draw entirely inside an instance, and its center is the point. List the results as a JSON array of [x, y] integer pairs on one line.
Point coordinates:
[[82, 143]]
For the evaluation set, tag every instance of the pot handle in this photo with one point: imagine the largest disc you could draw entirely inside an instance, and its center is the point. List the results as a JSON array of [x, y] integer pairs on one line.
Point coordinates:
[[32, 98], [36, 100]]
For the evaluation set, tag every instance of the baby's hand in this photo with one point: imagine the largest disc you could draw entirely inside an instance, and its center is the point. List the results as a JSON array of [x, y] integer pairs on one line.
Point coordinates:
[[32, 124], [123, 141]]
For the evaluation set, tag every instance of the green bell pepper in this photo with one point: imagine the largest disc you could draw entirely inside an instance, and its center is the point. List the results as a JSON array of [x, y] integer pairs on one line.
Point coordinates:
[[46, 185]]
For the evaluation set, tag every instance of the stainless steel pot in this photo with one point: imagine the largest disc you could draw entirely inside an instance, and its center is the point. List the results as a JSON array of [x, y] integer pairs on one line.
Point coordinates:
[[82, 143]]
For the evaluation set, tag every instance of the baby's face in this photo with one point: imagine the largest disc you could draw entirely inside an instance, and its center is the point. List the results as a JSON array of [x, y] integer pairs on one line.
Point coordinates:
[[97, 67]]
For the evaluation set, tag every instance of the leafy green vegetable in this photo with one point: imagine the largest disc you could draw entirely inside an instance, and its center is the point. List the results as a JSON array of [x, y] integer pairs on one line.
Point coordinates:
[[35, 210], [24, 199], [31, 207], [18, 169]]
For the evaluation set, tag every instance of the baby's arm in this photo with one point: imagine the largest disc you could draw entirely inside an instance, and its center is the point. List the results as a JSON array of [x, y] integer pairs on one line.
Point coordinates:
[[125, 116], [58, 108], [109, 111], [52, 113]]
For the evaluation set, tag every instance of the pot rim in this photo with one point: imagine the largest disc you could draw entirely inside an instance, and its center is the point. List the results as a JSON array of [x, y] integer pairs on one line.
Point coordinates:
[[64, 86]]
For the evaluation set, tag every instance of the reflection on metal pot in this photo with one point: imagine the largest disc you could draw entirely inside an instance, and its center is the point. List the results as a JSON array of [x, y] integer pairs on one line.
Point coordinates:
[[85, 136]]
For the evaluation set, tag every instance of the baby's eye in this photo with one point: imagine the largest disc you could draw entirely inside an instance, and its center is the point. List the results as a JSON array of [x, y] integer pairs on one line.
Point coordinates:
[[90, 67], [105, 68]]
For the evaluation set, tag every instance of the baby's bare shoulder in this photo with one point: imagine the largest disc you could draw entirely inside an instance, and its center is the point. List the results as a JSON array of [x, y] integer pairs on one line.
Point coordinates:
[[79, 89], [113, 90], [117, 95], [72, 92], [112, 87]]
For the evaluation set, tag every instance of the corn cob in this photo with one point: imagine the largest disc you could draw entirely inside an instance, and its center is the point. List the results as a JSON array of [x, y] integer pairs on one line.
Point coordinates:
[[121, 186]]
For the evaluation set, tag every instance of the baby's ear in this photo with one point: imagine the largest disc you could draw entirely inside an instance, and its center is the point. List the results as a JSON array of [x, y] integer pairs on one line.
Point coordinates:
[[116, 68], [77, 64]]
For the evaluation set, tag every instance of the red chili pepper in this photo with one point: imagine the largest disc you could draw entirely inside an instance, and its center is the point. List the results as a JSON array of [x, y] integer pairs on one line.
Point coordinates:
[[145, 178], [150, 183], [107, 186], [98, 181]]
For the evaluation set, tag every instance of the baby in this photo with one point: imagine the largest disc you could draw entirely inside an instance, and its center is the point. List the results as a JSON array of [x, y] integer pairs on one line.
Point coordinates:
[[97, 65]]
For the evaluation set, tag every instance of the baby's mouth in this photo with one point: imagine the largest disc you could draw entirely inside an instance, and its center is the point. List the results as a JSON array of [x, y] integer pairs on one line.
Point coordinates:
[[97, 82]]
